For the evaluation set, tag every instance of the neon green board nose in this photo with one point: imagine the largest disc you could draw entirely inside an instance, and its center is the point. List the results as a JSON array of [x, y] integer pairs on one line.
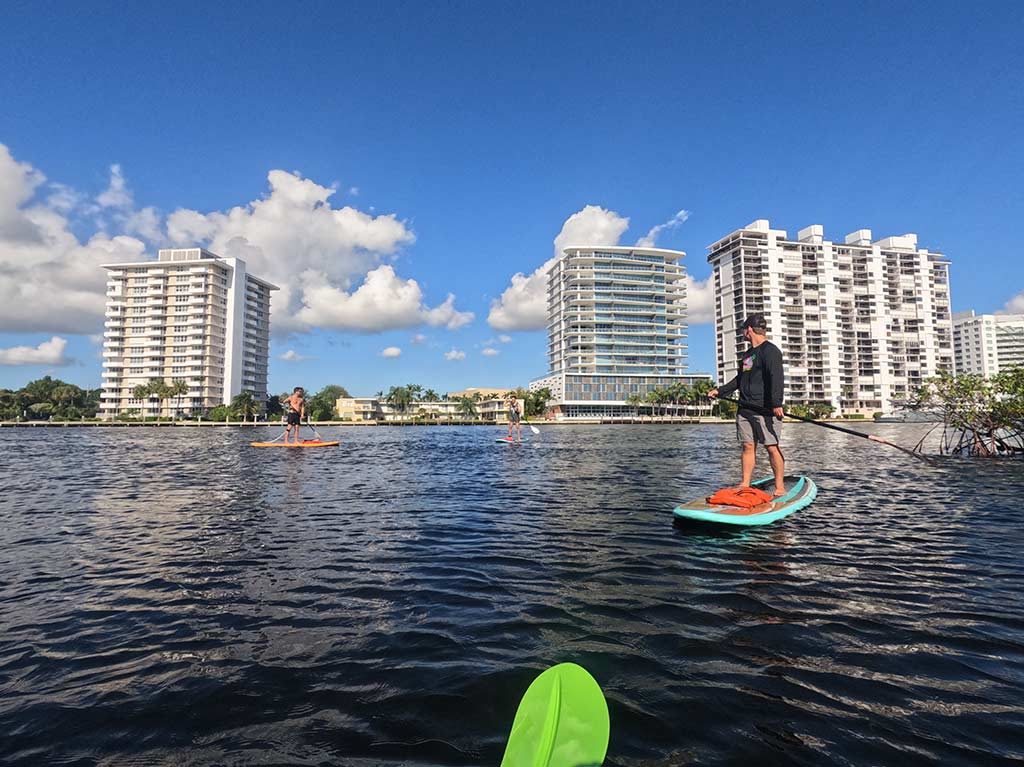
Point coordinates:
[[562, 721]]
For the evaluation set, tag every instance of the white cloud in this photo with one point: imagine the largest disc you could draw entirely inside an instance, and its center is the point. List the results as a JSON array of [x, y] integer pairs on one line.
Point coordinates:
[[523, 305], [505, 339], [63, 199], [47, 353], [391, 352], [455, 354], [50, 281], [700, 300], [1014, 306], [447, 316], [418, 339], [354, 191], [293, 356], [118, 202], [383, 302], [116, 194], [315, 253], [650, 239], [593, 225], [489, 352]]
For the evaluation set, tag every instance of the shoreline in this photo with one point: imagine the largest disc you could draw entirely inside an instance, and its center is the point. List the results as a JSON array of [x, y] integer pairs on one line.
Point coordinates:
[[250, 424]]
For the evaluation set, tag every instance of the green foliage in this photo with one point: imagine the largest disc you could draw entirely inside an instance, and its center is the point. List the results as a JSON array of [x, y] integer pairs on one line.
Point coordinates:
[[814, 410], [322, 406], [244, 406], [537, 402], [221, 413], [399, 397], [275, 407], [726, 408], [467, 407], [41, 409], [980, 417], [49, 398]]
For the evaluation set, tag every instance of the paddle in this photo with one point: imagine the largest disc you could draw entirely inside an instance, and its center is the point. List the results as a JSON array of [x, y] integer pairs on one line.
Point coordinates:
[[872, 437], [533, 428], [314, 430], [562, 721]]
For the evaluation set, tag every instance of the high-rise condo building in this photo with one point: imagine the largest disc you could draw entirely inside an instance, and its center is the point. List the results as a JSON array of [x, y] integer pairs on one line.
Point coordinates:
[[987, 344], [861, 324], [189, 316], [616, 325]]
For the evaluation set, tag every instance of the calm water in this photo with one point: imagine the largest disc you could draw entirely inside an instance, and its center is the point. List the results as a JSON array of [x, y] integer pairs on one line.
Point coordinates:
[[173, 596]]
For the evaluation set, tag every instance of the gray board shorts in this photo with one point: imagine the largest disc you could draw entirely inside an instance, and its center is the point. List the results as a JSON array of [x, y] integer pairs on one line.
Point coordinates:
[[753, 427]]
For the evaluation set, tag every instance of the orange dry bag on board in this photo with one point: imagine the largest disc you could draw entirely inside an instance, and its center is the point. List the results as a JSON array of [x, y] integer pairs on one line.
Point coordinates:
[[744, 497]]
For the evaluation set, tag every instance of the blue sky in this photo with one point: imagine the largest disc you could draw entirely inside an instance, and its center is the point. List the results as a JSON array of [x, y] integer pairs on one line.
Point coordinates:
[[482, 127]]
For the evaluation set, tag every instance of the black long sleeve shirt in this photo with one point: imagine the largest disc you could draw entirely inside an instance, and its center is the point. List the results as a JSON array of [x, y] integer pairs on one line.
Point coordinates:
[[760, 379]]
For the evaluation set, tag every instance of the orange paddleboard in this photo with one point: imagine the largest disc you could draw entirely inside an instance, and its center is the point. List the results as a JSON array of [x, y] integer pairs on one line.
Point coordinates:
[[303, 443]]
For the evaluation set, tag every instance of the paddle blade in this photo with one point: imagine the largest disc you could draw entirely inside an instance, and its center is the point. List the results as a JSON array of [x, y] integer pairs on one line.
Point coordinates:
[[562, 721]]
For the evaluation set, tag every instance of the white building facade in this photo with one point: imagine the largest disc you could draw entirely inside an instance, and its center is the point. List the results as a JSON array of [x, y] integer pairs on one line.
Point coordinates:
[[861, 324], [986, 344], [189, 316], [616, 327]]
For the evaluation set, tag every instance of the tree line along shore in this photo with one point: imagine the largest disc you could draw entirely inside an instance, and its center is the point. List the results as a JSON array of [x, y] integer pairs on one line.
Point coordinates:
[[974, 415], [50, 399]]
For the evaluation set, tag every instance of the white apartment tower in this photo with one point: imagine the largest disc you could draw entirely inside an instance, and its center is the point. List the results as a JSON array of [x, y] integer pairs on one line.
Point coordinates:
[[861, 324], [188, 316], [987, 344], [616, 325]]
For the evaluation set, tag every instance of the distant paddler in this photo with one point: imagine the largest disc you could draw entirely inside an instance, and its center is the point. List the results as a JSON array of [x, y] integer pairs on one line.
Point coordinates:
[[295, 413], [514, 417], [760, 383]]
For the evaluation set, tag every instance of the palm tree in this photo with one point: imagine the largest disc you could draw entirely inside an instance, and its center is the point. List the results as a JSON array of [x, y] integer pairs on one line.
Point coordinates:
[[681, 394], [635, 400], [158, 390], [179, 389], [415, 390], [700, 391], [142, 392], [244, 405], [652, 398], [431, 396], [399, 398], [467, 407]]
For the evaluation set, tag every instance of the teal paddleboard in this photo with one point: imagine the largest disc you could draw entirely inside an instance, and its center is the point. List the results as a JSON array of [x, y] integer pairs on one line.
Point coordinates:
[[800, 492]]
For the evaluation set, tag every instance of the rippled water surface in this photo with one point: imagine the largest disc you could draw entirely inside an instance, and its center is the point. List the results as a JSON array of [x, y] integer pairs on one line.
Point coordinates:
[[173, 596]]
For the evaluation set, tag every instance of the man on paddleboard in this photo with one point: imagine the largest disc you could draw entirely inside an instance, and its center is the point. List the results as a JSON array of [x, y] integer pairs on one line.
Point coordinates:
[[296, 407], [760, 382], [514, 416]]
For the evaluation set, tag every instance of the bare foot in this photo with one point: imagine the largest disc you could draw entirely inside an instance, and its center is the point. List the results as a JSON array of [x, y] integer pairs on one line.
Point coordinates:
[[779, 491]]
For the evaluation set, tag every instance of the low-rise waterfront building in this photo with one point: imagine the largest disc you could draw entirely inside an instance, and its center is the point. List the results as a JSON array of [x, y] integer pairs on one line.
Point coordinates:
[[491, 410], [987, 344], [189, 316], [484, 392], [861, 324]]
